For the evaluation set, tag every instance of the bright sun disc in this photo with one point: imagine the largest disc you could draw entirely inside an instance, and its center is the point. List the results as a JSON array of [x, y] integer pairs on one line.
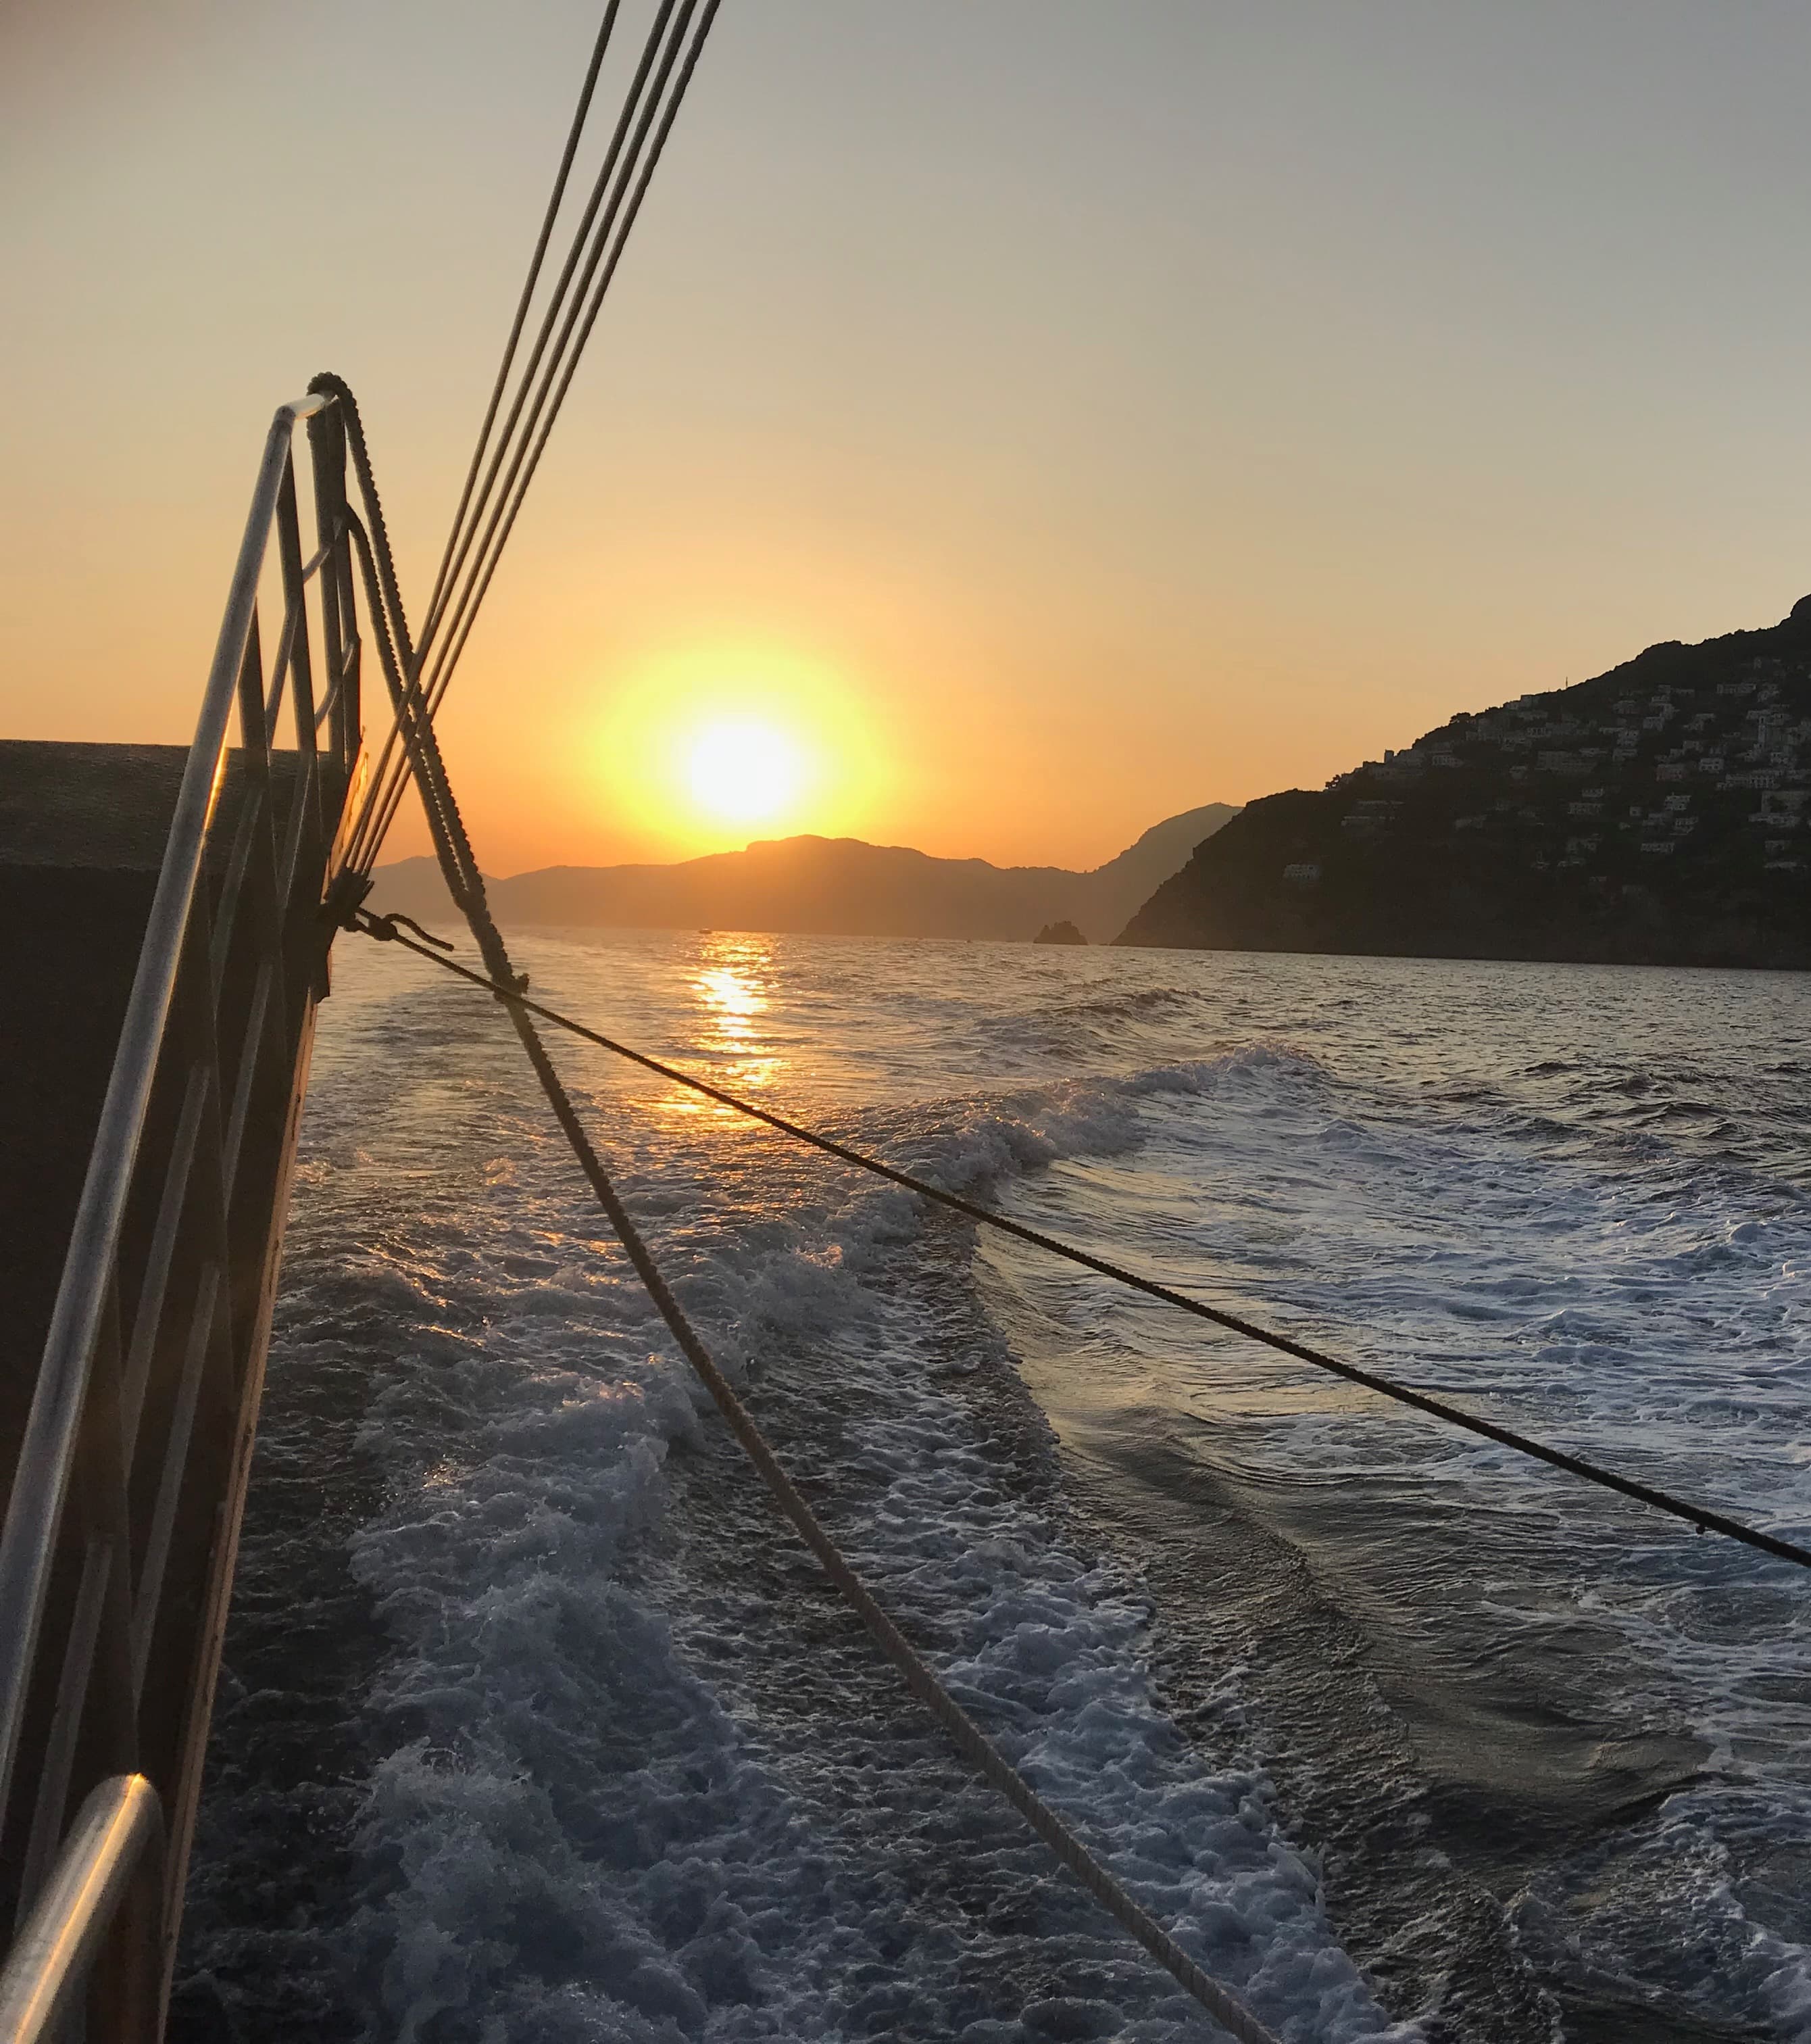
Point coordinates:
[[744, 772]]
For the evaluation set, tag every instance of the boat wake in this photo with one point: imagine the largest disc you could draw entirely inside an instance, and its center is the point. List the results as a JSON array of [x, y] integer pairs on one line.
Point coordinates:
[[1400, 1740]]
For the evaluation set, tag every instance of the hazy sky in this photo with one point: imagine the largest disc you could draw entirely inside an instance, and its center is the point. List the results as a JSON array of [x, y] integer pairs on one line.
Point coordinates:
[[1060, 414]]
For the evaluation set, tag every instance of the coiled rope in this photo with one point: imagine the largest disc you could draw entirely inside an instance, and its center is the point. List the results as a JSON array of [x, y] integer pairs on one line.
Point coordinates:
[[1698, 1516], [459, 868]]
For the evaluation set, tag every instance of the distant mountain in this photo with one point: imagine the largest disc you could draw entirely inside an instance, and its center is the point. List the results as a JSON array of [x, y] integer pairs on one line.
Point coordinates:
[[832, 886], [1658, 814]]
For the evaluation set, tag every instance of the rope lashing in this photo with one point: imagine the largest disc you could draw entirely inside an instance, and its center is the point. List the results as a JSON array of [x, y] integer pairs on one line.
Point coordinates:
[[384, 929], [459, 868], [1700, 1516]]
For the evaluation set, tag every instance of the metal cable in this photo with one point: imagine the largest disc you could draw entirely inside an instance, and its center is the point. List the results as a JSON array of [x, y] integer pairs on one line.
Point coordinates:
[[458, 864], [1700, 1516], [964, 1733], [565, 356]]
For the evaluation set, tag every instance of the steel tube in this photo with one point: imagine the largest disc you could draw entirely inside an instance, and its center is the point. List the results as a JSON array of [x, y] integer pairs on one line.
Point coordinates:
[[28, 1543], [118, 1833]]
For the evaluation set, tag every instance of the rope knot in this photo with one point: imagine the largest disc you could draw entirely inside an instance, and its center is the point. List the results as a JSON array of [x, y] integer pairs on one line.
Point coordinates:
[[383, 928]]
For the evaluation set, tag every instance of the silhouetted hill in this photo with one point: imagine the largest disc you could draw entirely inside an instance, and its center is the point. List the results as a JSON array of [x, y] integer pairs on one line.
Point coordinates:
[[831, 886], [1656, 814]]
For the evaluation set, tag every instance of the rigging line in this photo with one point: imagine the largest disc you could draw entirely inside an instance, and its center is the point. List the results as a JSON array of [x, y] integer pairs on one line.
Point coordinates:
[[444, 679], [406, 699], [452, 654], [975, 1747], [580, 113], [390, 777], [383, 600], [382, 805], [567, 352], [391, 774], [383, 596], [607, 174], [458, 864], [970, 1740], [1700, 1516]]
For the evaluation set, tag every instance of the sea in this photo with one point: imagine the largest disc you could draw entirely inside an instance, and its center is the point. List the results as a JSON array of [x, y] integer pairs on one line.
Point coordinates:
[[537, 1723]]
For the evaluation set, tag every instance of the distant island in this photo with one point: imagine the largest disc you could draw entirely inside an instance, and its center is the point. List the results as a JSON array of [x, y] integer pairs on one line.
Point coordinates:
[[828, 886], [1655, 815]]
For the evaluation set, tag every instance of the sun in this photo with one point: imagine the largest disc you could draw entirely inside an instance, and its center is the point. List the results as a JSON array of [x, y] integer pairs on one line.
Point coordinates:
[[702, 746], [741, 770]]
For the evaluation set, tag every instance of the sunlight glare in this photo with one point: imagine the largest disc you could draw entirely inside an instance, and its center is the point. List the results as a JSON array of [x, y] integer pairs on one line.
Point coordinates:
[[744, 772], [703, 747]]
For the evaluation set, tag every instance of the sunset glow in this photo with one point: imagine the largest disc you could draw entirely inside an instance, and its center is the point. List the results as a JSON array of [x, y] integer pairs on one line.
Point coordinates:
[[870, 457]]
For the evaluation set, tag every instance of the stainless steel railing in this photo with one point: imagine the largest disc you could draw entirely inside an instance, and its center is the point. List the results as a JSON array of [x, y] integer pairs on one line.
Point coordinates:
[[120, 1526], [104, 1888]]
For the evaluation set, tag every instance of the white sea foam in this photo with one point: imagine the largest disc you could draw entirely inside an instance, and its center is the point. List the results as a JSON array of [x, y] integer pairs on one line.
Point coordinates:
[[572, 1771]]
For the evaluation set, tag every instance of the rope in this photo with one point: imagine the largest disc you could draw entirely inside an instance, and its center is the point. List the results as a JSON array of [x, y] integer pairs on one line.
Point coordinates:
[[963, 1732], [504, 521], [1698, 1516], [575, 128], [458, 864], [388, 782], [607, 177], [628, 167]]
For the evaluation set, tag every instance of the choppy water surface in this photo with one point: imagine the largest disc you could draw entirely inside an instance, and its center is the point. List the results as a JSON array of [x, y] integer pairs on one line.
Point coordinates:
[[537, 1725]]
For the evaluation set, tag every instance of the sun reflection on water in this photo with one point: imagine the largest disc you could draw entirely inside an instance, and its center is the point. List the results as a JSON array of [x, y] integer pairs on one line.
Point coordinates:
[[731, 985], [732, 996]]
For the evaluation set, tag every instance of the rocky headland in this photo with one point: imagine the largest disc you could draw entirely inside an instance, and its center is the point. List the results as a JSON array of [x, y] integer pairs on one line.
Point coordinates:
[[1658, 814]]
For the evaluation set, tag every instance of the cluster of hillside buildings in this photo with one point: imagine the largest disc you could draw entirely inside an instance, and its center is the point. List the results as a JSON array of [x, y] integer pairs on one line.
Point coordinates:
[[1582, 764]]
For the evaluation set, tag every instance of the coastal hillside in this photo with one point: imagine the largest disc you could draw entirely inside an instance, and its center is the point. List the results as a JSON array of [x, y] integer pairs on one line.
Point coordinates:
[[828, 887], [1656, 814]]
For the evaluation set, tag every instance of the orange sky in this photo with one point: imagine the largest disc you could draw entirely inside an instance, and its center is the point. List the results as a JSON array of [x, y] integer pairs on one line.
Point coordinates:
[[1055, 415]]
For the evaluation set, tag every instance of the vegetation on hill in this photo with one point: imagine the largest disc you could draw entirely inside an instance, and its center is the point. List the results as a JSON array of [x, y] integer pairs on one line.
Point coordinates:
[[1658, 814]]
